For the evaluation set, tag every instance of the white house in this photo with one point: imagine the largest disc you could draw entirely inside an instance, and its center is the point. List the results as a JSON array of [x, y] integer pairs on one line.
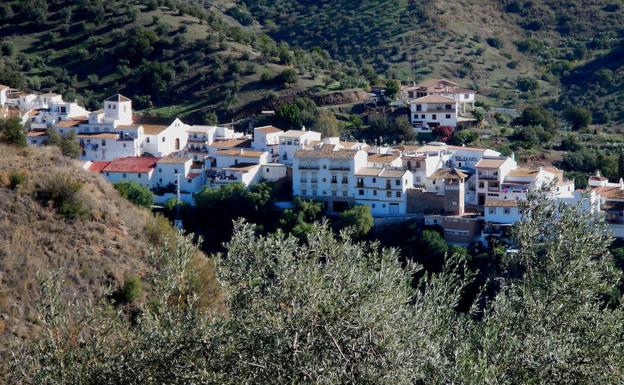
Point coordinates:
[[267, 138], [4, 92], [441, 87], [129, 169], [431, 111], [200, 137], [500, 211], [234, 157], [292, 141], [383, 190]]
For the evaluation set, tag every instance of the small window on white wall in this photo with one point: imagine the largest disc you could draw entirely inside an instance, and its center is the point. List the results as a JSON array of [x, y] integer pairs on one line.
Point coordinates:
[[163, 138]]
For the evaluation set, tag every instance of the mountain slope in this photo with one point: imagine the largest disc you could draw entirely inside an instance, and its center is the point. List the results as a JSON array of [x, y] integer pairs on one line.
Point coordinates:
[[492, 44], [174, 56]]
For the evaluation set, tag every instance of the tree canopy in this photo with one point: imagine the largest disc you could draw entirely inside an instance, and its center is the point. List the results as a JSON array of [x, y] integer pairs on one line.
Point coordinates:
[[332, 311]]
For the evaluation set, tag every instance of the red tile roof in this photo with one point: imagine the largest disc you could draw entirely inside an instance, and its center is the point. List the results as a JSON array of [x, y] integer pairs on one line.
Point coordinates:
[[98, 166], [132, 164]]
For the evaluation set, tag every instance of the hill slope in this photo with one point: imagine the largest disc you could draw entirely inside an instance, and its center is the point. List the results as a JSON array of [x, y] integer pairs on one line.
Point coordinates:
[[112, 240], [173, 57], [490, 43]]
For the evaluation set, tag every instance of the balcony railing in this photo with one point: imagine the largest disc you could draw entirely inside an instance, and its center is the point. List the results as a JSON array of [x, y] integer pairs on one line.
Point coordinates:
[[308, 167]]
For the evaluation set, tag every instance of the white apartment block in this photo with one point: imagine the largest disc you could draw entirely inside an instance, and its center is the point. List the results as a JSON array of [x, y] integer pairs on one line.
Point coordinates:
[[342, 178]]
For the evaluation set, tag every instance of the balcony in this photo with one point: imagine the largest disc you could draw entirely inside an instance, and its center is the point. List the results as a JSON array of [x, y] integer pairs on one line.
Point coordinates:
[[197, 140], [488, 177], [308, 167], [339, 168]]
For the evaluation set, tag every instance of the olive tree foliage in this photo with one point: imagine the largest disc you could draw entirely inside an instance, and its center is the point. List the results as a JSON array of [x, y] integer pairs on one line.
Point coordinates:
[[551, 322], [329, 312]]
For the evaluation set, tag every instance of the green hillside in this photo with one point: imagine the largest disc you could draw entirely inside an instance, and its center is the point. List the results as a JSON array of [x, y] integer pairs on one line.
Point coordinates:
[[169, 56], [495, 46]]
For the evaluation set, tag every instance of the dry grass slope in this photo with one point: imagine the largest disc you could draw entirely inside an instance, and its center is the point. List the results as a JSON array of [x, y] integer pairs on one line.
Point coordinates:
[[91, 254]]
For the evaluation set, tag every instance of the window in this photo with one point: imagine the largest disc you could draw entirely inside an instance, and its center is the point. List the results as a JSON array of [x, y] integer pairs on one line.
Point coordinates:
[[507, 210], [360, 192], [374, 180], [139, 174], [147, 139], [491, 211], [398, 194], [175, 170], [447, 107], [324, 167], [324, 180], [481, 185], [419, 107], [448, 116], [124, 145], [433, 182], [417, 179], [397, 182], [107, 174], [466, 96], [124, 174], [434, 117], [268, 170], [163, 139], [388, 194], [334, 179], [422, 116], [84, 153], [159, 169], [103, 142], [375, 192], [373, 205], [345, 179]]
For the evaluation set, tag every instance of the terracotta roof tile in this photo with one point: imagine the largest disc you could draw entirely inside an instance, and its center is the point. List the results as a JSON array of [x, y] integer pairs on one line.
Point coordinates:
[[132, 164]]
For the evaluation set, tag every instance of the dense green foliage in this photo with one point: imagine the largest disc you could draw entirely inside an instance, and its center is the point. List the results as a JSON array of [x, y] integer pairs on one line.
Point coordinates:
[[11, 132], [358, 218], [136, 193], [334, 312]]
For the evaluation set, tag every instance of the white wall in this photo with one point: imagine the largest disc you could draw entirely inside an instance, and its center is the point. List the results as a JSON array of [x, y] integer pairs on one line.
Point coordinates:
[[145, 179]]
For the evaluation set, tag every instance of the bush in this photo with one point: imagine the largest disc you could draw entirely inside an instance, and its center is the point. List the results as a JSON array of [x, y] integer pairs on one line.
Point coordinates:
[[359, 218], [69, 147], [494, 42], [16, 179], [578, 117], [136, 193], [61, 191], [288, 76], [11, 132], [131, 289]]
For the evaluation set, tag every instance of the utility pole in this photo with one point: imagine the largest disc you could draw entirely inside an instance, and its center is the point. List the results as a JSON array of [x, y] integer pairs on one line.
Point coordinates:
[[177, 223]]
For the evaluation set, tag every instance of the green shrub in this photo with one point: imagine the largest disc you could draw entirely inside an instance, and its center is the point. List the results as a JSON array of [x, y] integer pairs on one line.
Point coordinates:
[[61, 191], [136, 193], [16, 179], [131, 289]]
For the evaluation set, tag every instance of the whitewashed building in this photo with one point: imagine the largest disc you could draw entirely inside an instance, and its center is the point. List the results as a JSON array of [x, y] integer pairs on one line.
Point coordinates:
[[294, 140]]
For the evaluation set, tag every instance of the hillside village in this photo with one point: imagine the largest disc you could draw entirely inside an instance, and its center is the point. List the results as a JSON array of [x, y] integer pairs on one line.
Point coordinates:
[[472, 193]]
